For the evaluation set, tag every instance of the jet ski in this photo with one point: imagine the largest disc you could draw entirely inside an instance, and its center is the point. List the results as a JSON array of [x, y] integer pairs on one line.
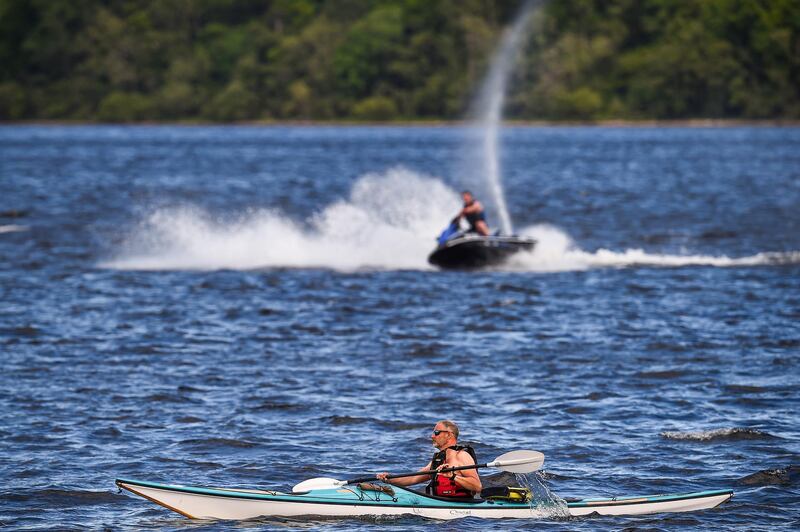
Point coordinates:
[[460, 250]]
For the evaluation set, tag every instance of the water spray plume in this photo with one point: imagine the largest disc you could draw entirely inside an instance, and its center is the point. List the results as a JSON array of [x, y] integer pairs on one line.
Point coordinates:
[[490, 108]]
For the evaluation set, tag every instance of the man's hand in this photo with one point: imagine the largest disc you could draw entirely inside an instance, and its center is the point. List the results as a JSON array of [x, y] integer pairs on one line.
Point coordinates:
[[447, 466]]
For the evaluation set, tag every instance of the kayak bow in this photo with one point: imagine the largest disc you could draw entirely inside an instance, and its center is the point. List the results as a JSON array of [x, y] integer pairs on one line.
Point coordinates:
[[352, 501]]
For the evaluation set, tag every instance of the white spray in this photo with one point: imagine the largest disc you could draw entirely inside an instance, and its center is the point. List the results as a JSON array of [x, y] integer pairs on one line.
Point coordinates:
[[398, 206], [544, 502], [490, 107], [387, 222]]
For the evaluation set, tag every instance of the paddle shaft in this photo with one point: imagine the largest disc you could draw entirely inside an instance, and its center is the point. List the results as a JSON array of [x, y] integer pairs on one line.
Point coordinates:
[[522, 461], [424, 472]]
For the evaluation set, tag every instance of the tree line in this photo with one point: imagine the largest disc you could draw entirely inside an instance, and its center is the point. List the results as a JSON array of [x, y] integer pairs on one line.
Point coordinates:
[[234, 60]]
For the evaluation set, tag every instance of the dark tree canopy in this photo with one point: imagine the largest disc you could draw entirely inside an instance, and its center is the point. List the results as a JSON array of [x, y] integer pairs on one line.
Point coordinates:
[[228, 60]]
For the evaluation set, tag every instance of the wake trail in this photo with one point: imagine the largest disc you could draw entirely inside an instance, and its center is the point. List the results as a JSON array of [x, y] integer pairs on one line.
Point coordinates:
[[555, 251], [389, 221], [12, 228]]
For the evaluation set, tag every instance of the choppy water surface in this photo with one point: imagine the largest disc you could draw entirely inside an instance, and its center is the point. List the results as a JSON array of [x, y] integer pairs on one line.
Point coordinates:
[[252, 307]]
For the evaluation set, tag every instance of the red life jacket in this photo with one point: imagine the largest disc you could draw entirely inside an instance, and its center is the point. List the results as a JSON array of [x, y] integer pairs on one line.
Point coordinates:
[[443, 485]]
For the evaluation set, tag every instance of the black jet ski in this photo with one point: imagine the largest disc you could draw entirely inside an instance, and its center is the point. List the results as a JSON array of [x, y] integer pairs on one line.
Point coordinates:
[[459, 250]]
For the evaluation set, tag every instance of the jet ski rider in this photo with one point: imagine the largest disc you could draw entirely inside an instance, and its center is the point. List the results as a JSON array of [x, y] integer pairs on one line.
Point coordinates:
[[464, 483], [473, 212]]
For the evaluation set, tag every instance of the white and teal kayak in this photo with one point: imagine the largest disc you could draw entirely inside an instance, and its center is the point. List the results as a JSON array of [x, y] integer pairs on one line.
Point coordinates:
[[385, 500]]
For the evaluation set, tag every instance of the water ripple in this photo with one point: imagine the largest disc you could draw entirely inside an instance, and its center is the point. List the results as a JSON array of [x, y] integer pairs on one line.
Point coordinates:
[[717, 435], [179, 318]]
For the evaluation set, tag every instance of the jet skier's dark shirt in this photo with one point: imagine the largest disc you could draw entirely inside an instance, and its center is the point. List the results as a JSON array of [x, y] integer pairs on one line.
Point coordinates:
[[474, 218]]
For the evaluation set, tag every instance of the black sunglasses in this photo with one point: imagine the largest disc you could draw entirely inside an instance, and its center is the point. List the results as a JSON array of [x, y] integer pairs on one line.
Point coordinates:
[[437, 432]]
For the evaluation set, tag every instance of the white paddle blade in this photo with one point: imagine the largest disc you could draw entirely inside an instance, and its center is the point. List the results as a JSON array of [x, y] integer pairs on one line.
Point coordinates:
[[519, 461], [319, 483]]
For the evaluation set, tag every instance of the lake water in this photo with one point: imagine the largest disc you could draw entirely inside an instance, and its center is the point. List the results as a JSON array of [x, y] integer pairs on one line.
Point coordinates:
[[252, 307]]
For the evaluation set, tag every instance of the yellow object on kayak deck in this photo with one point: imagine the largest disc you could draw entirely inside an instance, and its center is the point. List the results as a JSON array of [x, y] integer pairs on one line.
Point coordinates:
[[506, 493]]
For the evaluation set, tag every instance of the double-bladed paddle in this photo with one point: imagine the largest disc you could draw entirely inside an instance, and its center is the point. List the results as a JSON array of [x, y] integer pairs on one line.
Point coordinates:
[[514, 462]]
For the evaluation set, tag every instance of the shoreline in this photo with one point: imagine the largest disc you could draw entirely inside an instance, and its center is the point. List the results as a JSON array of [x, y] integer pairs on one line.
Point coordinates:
[[698, 123]]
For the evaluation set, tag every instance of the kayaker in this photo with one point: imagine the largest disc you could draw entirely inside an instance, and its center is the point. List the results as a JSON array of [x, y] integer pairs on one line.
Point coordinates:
[[465, 483], [474, 214]]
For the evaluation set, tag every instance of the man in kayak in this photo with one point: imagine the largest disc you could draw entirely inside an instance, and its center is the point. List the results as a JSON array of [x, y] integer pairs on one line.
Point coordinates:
[[465, 483], [473, 212]]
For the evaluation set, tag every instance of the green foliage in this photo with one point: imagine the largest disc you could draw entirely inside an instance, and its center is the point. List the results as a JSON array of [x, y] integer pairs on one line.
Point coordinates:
[[226, 60], [299, 102], [12, 101], [360, 61], [582, 103], [375, 108], [667, 59], [15, 17], [124, 107], [175, 100], [233, 103]]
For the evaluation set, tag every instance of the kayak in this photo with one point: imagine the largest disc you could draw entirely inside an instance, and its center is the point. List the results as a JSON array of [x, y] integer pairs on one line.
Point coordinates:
[[471, 251], [384, 500]]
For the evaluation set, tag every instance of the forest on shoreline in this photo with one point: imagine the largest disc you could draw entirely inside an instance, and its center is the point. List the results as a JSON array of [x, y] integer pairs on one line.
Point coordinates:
[[395, 60]]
